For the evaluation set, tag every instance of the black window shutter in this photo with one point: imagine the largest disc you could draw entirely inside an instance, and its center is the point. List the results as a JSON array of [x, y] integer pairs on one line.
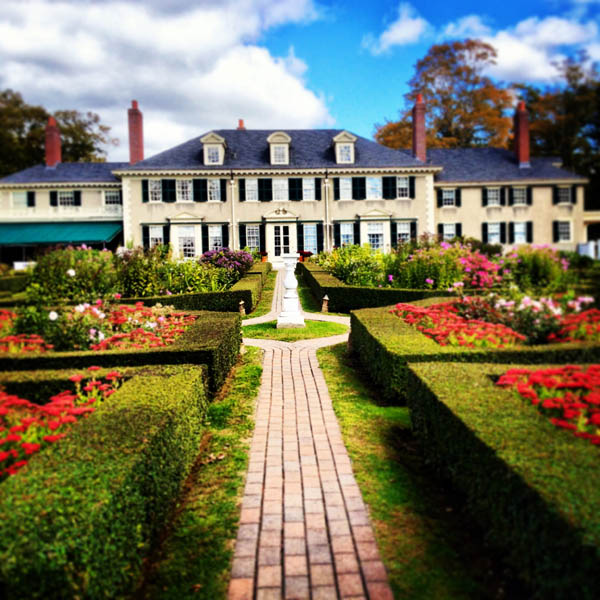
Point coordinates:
[[439, 198], [225, 235], [554, 194], [458, 230], [411, 186], [200, 190], [336, 188], [121, 197], [168, 190], [511, 196], [300, 236], [529, 195], [30, 199], [223, 190], [413, 230], [265, 190], [319, 237], [573, 194], [529, 232], [484, 233], [440, 229], [317, 188], [145, 196], [503, 193], [77, 197], [166, 234], [357, 233], [205, 247], [555, 231], [145, 236], [359, 188], [294, 189], [394, 233], [242, 230], [389, 188], [53, 198], [242, 189], [337, 235], [457, 197], [484, 196], [262, 236], [511, 233], [503, 233]]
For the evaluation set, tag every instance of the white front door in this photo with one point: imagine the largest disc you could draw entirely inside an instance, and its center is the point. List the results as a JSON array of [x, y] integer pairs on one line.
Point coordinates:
[[281, 240]]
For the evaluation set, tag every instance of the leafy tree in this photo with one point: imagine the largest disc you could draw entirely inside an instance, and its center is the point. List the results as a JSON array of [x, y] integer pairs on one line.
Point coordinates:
[[22, 134], [464, 107]]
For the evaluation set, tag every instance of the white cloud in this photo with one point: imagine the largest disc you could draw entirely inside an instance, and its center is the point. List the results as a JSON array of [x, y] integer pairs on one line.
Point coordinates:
[[192, 66], [406, 29], [471, 26]]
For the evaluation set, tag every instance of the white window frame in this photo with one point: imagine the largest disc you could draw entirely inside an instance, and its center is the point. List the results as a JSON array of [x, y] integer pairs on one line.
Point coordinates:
[[66, 199], [19, 199], [448, 197], [345, 188], [346, 234], [209, 154], [280, 154], [375, 231], [156, 235], [493, 196], [310, 237], [374, 188], [562, 239], [155, 190], [493, 233], [186, 241], [345, 153], [185, 190], [522, 196], [308, 188], [520, 232], [403, 232], [280, 190], [251, 190], [448, 231], [214, 190], [253, 237], [562, 191], [402, 187], [215, 232]]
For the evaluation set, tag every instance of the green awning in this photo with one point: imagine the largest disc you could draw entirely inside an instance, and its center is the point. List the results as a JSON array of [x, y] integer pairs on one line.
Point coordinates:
[[23, 234]]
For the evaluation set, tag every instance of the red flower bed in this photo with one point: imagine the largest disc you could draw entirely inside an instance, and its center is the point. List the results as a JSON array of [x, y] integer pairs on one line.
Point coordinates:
[[26, 428], [569, 396], [583, 326]]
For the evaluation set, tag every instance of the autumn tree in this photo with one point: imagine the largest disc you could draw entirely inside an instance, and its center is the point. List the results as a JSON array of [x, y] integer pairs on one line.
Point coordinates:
[[22, 134], [464, 107]]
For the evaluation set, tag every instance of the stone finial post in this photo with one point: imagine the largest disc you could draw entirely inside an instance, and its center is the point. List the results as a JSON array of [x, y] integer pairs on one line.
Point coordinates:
[[242, 308], [291, 315], [325, 304]]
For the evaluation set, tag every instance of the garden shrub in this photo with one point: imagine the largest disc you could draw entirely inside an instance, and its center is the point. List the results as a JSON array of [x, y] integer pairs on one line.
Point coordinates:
[[14, 283], [540, 268], [79, 520], [354, 265]]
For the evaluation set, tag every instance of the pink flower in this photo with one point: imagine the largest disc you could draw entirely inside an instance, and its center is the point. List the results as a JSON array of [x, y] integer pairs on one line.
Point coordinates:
[[116, 296]]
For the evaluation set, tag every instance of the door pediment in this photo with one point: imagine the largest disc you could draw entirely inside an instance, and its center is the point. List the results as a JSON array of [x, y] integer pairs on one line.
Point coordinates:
[[374, 214], [280, 214], [184, 216]]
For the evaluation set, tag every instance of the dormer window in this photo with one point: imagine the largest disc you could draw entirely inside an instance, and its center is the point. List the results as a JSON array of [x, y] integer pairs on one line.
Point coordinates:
[[214, 149], [279, 144], [344, 148]]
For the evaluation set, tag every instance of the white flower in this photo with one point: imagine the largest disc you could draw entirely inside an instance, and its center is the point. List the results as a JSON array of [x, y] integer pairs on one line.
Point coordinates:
[[71, 272], [80, 308], [53, 315], [100, 336]]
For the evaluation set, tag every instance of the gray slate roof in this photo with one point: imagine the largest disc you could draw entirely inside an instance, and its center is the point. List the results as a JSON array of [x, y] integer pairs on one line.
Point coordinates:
[[249, 149], [492, 164], [68, 172]]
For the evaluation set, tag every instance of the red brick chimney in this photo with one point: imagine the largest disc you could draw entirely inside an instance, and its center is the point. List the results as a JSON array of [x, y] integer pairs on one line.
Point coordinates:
[[241, 124], [419, 147], [136, 133], [521, 127], [53, 149]]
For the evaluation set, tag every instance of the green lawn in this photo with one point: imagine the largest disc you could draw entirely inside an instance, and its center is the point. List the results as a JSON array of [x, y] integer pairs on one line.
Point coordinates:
[[313, 329]]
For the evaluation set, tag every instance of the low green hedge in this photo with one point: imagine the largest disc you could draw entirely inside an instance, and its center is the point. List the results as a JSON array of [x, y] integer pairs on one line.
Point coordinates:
[[214, 339], [386, 345], [14, 283], [262, 268], [533, 488], [78, 521]]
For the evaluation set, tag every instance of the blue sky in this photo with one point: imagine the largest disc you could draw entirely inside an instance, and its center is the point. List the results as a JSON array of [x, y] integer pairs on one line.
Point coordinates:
[[200, 65]]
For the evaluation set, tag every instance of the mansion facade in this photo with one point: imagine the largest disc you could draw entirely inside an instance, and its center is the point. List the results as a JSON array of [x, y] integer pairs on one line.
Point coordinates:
[[285, 191]]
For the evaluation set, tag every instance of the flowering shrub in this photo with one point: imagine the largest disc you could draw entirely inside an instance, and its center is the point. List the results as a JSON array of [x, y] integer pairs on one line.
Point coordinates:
[[26, 428], [7, 318], [237, 262], [540, 267], [354, 265], [569, 396]]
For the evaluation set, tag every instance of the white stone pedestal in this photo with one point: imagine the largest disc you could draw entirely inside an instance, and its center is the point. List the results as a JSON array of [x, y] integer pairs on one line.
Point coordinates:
[[291, 315]]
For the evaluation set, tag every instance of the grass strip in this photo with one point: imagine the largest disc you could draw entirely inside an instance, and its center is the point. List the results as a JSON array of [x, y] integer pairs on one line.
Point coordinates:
[[313, 329], [195, 559], [266, 299]]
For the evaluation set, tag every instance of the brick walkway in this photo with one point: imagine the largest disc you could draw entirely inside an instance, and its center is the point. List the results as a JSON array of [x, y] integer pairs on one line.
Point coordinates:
[[304, 528]]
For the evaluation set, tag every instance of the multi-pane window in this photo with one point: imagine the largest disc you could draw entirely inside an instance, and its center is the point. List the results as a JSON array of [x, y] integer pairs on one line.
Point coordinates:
[[449, 231], [346, 234], [156, 235], [66, 198], [520, 230], [374, 188], [187, 241], [493, 233], [155, 190], [448, 197], [184, 190], [112, 198], [519, 196], [19, 199], [253, 237], [215, 237], [375, 235], [213, 155], [403, 231], [493, 196], [308, 188], [344, 153], [345, 188], [251, 190], [564, 231], [564, 195], [402, 186], [280, 154], [310, 238], [280, 190], [214, 190]]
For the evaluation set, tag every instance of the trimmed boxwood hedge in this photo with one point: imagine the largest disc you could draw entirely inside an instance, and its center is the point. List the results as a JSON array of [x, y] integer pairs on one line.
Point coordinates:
[[79, 519], [386, 345], [14, 283], [214, 339], [533, 488]]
